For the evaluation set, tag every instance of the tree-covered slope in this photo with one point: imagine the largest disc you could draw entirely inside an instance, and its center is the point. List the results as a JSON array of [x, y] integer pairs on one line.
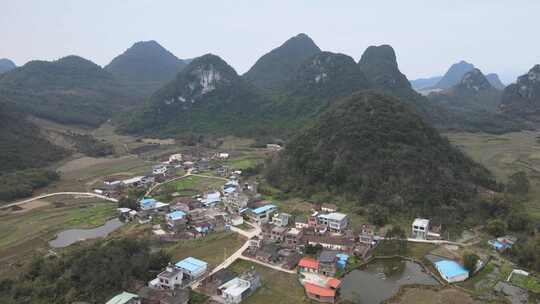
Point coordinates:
[[473, 92], [68, 90], [522, 99], [275, 68], [207, 96], [375, 148], [21, 144], [146, 66]]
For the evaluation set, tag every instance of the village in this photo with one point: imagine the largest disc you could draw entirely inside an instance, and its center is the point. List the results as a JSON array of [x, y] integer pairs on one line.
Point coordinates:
[[319, 248]]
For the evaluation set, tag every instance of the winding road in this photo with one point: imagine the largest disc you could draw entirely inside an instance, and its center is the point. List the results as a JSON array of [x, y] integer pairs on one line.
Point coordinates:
[[35, 198]]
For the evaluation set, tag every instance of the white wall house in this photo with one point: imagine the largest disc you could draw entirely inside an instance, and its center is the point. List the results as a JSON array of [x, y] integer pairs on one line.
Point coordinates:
[[170, 278], [232, 292], [335, 221], [420, 228]]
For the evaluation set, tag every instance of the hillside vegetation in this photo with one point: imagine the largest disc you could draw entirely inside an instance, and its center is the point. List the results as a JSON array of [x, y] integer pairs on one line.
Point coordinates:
[[377, 150], [71, 90]]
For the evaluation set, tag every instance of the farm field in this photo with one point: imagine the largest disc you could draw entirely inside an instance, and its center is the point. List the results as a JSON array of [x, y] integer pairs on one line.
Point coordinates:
[[504, 155], [212, 249], [26, 232]]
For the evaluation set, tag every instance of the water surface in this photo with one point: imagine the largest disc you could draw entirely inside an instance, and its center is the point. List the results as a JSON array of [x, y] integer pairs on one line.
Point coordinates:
[[380, 280], [68, 237]]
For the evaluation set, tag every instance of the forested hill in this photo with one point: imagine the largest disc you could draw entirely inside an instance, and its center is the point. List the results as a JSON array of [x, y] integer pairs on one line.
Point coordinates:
[[474, 92], [375, 148], [522, 99], [70, 90], [21, 144], [145, 66], [275, 68], [207, 96]]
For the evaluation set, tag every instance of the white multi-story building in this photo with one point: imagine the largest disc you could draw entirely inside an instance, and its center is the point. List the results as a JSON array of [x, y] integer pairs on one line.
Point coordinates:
[[335, 221], [170, 278], [420, 228]]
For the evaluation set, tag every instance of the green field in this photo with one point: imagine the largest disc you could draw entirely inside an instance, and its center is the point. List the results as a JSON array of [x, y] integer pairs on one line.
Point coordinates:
[[504, 155], [530, 283], [27, 233], [212, 249], [277, 287]]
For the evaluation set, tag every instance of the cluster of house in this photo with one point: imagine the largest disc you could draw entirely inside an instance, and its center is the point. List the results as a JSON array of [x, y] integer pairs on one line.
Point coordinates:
[[169, 286], [230, 287], [283, 241], [316, 275], [502, 243]]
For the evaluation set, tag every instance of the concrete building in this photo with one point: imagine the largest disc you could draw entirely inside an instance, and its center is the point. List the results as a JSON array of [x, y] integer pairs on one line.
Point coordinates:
[[451, 271], [335, 221], [170, 278], [420, 229], [281, 219], [192, 268], [278, 234], [176, 219], [234, 291], [262, 214]]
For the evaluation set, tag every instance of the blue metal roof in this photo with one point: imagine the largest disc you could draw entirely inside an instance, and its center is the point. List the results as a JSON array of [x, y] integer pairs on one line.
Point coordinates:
[[147, 201], [450, 269], [263, 209], [176, 215], [191, 264]]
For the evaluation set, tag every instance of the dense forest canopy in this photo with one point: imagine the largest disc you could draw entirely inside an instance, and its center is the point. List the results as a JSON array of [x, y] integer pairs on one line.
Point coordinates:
[[376, 148]]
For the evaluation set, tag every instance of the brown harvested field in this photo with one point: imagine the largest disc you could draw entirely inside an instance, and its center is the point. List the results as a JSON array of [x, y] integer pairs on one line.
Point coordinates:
[[429, 296], [167, 141], [31, 205]]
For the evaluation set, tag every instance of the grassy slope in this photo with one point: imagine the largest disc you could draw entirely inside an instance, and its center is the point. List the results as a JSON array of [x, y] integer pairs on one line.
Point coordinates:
[[505, 155], [25, 234]]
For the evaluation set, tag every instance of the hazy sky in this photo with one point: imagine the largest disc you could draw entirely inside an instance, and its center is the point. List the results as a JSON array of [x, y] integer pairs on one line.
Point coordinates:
[[496, 35]]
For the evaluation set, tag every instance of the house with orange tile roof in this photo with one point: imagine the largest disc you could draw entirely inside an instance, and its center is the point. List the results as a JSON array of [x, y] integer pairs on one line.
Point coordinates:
[[307, 264]]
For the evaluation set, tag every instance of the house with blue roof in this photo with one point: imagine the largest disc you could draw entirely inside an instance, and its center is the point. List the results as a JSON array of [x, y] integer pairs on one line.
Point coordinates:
[[176, 219], [451, 271], [211, 199], [192, 268], [262, 214], [147, 203]]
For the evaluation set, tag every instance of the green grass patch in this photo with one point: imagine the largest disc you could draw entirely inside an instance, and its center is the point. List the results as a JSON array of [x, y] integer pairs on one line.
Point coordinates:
[[213, 249], [529, 283], [277, 287]]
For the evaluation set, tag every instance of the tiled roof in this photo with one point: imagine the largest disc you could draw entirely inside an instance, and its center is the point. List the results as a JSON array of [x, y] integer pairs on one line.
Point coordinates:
[[308, 262], [318, 290]]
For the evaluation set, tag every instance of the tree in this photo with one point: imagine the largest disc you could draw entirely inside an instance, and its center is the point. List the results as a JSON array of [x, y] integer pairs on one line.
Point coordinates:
[[518, 221], [496, 227], [378, 214], [518, 183], [470, 260], [399, 235], [128, 202]]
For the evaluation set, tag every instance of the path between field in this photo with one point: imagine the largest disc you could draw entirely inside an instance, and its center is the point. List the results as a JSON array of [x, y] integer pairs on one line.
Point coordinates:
[[238, 255], [85, 194], [154, 187]]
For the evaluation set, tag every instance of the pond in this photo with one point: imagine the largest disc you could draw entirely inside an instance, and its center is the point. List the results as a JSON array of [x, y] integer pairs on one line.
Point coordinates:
[[380, 280], [71, 236]]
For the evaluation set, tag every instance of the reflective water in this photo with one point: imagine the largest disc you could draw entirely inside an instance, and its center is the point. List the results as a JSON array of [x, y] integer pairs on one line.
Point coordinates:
[[381, 279], [68, 237]]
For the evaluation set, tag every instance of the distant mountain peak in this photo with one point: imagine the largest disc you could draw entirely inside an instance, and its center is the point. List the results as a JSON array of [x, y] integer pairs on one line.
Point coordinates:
[[6, 65], [328, 75], [202, 76], [523, 97], [380, 65], [495, 81], [454, 74], [275, 68], [475, 80], [146, 61]]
